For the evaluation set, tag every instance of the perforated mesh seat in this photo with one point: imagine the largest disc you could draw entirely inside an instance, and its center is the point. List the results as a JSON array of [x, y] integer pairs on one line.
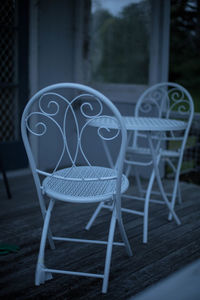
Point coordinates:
[[80, 185]]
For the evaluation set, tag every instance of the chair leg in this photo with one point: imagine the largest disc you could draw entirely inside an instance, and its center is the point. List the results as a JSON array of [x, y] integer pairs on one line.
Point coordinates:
[[179, 194], [50, 239], [43, 211], [118, 211], [174, 195], [124, 237], [93, 217], [40, 275], [146, 207], [139, 185], [109, 252]]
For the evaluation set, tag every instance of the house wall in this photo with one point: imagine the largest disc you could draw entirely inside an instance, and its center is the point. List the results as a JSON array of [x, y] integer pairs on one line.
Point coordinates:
[[56, 56], [56, 41], [52, 55]]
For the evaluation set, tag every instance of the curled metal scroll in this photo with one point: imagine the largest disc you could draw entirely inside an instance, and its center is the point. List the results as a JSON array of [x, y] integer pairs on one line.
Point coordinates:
[[153, 102], [179, 102], [164, 100], [51, 104], [113, 133]]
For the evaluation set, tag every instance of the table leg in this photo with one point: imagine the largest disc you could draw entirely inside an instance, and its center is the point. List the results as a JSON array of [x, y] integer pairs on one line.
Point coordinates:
[[157, 173]]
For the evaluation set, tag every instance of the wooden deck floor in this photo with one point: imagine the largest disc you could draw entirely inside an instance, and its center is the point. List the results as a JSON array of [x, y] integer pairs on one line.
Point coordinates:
[[170, 247]]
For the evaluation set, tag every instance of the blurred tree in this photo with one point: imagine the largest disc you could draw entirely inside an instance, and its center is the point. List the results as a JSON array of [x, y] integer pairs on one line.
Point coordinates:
[[120, 45], [185, 45]]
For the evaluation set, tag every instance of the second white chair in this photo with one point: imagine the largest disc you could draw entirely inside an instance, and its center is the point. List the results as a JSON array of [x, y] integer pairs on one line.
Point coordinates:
[[162, 100]]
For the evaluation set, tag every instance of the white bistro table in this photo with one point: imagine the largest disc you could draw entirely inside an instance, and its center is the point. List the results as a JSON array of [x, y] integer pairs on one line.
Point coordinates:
[[149, 126]]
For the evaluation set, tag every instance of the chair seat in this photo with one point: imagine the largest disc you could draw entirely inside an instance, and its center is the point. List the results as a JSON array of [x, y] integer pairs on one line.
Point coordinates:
[[83, 184]]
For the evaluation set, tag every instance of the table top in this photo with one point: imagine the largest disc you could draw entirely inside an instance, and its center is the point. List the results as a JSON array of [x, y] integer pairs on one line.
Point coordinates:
[[140, 123]]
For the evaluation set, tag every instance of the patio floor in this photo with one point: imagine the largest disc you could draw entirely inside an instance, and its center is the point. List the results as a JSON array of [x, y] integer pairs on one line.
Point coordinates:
[[169, 249]]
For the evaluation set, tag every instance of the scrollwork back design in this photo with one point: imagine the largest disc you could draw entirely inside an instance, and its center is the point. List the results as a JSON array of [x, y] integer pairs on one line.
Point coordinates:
[[152, 103], [178, 101], [85, 107], [163, 101]]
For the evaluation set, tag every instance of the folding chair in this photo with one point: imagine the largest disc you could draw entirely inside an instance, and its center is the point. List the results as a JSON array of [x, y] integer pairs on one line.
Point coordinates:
[[163, 100], [61, 115]]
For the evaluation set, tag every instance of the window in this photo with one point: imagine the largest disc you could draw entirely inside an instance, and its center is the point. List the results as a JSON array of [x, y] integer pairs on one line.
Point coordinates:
[[122, 46], [184, 46], [119, 41]]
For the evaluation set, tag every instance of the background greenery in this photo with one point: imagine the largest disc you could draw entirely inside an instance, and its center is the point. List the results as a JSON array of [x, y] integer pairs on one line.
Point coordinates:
[[117, 57], [185, 46]]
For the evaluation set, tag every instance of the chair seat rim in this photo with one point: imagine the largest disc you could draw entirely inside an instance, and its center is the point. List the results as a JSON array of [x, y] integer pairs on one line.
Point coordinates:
[[52, 193]]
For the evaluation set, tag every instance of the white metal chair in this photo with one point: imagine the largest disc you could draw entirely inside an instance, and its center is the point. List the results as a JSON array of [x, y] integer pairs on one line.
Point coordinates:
[[163, 100], [68, 109]]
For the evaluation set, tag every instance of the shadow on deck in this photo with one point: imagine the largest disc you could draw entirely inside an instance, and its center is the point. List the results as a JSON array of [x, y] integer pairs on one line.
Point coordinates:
[[170, 247]]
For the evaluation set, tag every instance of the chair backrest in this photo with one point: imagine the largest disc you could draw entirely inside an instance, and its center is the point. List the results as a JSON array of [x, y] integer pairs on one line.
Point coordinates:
[[56, 124], [167, 100]]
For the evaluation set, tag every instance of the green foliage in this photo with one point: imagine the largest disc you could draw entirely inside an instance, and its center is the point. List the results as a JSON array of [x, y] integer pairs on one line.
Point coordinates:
[[185, 46], [186, 165], [117, 57]]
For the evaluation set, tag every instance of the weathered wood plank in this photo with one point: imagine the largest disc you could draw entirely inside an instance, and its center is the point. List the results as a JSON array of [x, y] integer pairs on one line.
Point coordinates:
[[170, 247]]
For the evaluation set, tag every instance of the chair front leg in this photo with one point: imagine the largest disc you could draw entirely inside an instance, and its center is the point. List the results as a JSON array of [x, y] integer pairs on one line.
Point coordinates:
[[123, 232], [179, 194], [40, 275], [146, 207], [118, 210], [109, 251], [176, 189], [50, 239], [138, 182]]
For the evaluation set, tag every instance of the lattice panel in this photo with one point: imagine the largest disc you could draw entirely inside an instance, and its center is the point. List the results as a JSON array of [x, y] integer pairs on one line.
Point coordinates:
[[8, 70], [7, 115]]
